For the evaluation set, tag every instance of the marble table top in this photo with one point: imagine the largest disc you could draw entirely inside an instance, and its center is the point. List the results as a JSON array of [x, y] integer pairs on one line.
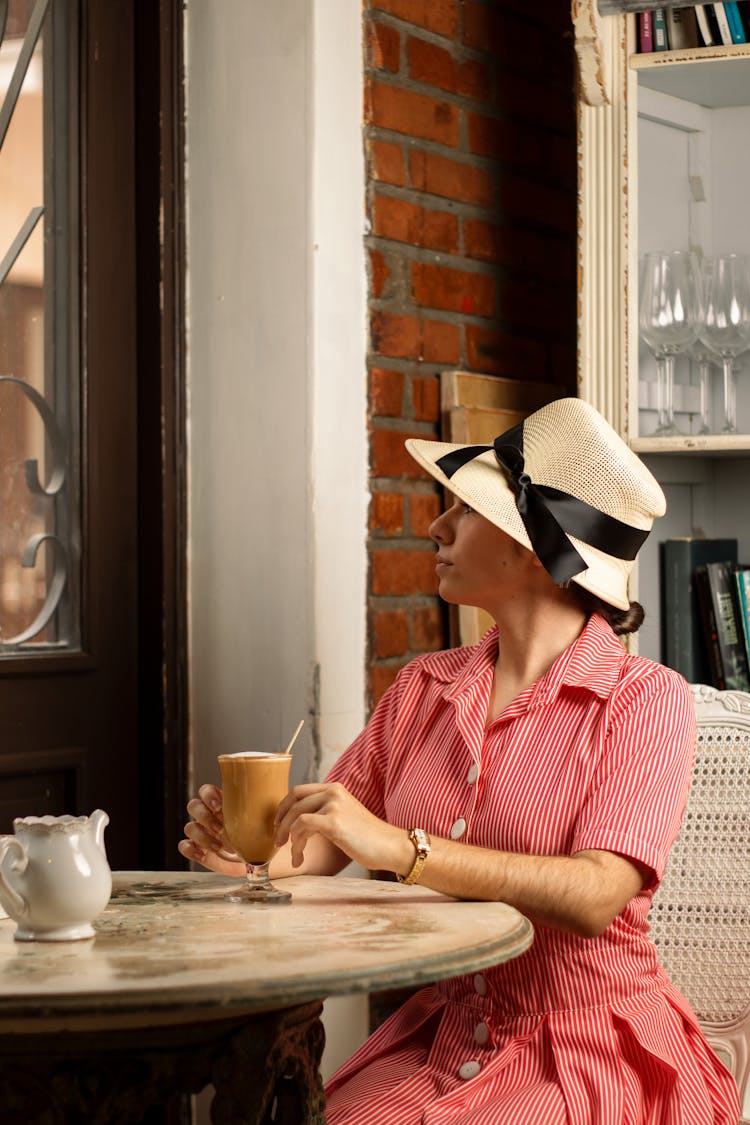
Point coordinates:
[[168, 943]]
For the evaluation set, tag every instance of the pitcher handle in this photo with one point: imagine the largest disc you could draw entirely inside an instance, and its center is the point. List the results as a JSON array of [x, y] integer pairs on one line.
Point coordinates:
[[15, 902]]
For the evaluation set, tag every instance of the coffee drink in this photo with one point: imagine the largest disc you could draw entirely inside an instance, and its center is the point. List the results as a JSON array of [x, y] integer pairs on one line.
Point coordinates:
[[254, 784]]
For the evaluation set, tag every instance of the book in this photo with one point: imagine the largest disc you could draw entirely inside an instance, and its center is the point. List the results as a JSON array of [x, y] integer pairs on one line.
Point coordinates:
[[682, 28], [727, 657], [645, 32], [743, 8], [704, 25], [725, 32], [683, 646], [742, 582], [734, 20], [661, 40]]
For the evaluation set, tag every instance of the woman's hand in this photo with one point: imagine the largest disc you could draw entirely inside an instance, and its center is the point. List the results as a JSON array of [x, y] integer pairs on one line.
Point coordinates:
[[330, 811], [206, 842]]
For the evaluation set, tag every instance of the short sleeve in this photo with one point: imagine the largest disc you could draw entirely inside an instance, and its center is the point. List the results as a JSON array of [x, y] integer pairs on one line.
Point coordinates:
[[638, 794], [363, 768]]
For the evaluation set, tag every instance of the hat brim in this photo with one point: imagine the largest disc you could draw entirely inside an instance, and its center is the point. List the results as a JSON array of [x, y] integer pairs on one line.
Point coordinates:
[[483, 484]]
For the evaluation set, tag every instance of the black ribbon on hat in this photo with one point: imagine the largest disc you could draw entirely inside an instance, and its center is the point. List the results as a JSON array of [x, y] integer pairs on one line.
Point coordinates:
[[548, 513]]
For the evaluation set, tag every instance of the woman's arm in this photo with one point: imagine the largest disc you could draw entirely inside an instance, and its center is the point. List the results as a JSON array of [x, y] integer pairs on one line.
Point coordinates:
[[582, 893]]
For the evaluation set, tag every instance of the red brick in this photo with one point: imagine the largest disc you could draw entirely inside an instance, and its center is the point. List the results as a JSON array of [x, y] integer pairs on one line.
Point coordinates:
[[416, 115], [383, 46], [424, 507], [439, 175], [387, 513], [440, 16], [387, 163], [403, 572], [504, 140], [390, 634], [501, 353], [386, 393], [394, 335], [379, 273], [482, 26], [441, 342], [509, 245], [389, 457], [436, 66], [406, 337], [381, 678], [438, 287], [427, 630], [406, 222], [425, 395]]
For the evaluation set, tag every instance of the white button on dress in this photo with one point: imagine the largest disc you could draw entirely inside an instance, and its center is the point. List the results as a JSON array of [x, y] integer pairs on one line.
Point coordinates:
[[469, 1069], [480, 985], [481, 1033], [458, 828], [473, 774]]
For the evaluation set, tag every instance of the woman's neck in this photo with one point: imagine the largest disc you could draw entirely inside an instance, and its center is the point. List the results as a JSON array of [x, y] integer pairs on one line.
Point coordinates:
[[531, 637]]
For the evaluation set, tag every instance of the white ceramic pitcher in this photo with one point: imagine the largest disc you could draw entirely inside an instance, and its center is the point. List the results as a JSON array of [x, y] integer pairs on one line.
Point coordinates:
[[54, 875]]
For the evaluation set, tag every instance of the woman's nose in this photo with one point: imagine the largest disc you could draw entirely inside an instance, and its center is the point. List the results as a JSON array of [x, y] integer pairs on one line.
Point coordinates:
[[440, 528]]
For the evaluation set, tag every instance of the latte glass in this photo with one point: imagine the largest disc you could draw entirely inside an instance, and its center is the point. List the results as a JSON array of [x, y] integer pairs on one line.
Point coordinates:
[[254, 784]]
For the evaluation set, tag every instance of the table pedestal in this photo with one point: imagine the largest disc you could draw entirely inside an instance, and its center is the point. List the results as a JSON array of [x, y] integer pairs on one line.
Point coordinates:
[[265, 1068]]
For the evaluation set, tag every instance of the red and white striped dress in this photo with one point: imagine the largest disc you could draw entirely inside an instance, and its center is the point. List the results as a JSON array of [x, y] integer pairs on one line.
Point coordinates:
[[585, 1031]]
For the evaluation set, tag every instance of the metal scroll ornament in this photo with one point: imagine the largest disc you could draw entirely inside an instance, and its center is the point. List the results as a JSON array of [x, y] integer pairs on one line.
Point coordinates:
[[56, 586]]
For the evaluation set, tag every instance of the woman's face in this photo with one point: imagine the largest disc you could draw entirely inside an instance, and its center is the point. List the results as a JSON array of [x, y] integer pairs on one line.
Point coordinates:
[[477, 563]]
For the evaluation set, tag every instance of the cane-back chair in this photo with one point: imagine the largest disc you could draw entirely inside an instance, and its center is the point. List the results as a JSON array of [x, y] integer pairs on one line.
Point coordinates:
[[700, 917]]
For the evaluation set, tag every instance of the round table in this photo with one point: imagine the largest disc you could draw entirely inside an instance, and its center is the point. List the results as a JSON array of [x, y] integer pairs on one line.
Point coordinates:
[[180, 988]]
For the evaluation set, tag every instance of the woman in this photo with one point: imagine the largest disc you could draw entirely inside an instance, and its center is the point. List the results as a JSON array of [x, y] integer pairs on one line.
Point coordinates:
[[544, 767]]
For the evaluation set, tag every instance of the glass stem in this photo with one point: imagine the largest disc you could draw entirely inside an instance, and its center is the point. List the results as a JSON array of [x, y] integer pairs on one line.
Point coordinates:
[[665, 394], [704, 373], [257, 874], [730, 397]]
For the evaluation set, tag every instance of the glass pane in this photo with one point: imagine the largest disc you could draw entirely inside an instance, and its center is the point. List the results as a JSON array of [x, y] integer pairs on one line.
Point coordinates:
[[39, 524]]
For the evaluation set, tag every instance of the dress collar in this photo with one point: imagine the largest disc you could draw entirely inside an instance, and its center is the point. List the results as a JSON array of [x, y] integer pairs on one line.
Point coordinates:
[[593, 662]]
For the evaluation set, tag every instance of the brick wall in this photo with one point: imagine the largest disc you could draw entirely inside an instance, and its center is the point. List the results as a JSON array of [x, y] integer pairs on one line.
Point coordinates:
[[471, 207]]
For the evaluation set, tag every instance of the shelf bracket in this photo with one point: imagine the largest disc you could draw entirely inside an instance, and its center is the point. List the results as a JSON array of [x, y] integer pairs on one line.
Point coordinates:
[[589, 52]]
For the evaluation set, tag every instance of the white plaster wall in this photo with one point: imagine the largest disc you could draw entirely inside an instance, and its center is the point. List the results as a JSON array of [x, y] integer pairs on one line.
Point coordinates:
[[277, 392]]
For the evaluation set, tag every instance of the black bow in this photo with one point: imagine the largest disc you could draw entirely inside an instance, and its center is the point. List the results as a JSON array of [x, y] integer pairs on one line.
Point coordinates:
[[548, 513]]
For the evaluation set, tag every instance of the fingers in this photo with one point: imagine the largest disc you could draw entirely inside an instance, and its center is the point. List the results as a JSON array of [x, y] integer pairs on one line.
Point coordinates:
[[205, 841], [209, 859]]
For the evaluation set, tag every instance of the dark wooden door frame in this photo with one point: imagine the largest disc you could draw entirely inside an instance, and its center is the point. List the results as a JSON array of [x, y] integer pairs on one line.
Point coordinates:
[[160, 272]]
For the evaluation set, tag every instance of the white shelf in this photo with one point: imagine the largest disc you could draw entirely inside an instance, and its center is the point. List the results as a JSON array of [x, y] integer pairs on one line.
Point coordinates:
[[716, 77], [716, 445]]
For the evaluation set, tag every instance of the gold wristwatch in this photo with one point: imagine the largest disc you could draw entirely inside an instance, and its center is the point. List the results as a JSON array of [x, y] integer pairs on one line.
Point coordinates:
[[421, 842]]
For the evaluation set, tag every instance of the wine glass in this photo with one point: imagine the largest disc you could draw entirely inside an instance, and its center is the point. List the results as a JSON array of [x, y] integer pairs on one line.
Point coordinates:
[[705, 359], [726, 328], [253, 785], [670, 316]]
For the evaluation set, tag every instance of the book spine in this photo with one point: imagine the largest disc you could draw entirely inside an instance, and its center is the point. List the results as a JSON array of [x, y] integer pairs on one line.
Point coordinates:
[[709, 628], [723, 22], [734, 21], [742, 580], [682, 29], [731, 646], [645, 32], [704, 26], [743, 9], [661, 40]]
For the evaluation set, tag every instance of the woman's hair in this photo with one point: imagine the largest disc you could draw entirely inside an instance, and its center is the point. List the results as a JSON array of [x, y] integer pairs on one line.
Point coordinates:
[[620, 620]]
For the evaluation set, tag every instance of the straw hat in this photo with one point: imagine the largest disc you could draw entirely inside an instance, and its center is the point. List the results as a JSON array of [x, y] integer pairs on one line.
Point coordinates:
[[563, 484]]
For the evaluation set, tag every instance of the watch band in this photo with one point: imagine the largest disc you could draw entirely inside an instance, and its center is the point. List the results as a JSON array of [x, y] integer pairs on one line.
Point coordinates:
[[421, 842]]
